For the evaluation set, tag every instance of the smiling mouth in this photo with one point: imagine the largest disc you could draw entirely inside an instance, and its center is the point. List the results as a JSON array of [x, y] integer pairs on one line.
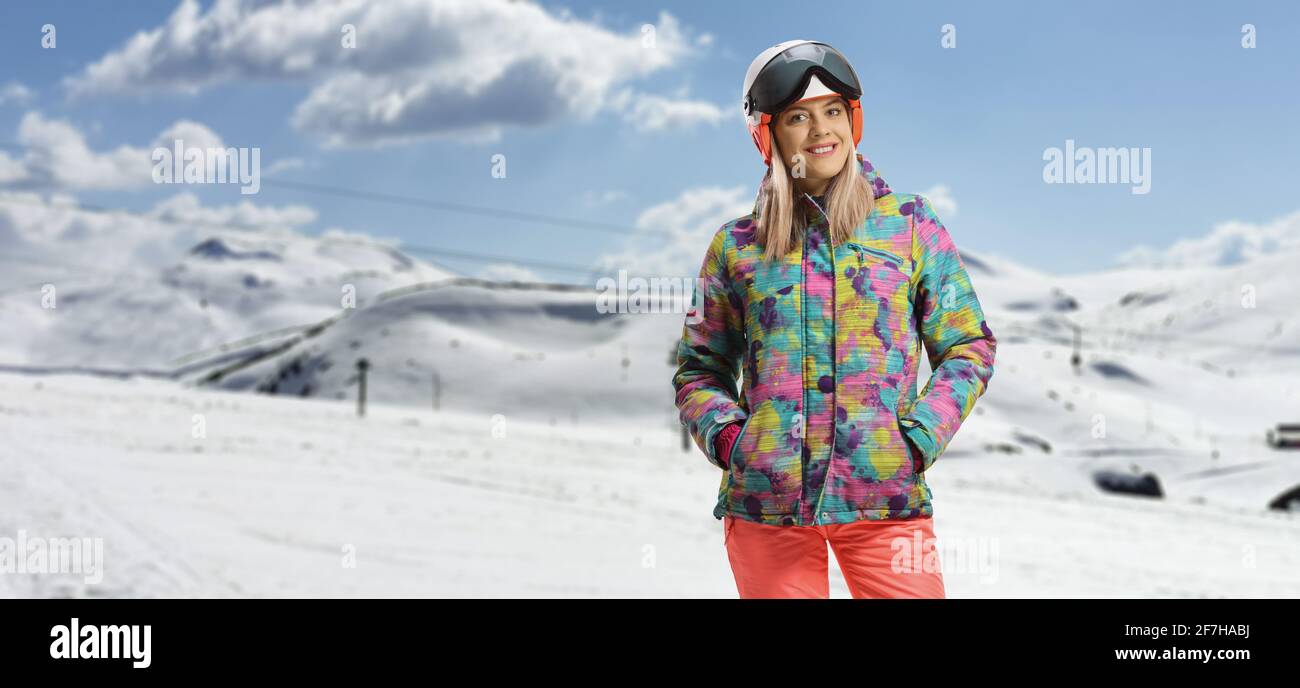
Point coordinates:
[[822, 150]]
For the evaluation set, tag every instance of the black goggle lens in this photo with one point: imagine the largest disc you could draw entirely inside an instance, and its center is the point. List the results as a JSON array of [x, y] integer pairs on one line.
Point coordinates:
[[788, 74]]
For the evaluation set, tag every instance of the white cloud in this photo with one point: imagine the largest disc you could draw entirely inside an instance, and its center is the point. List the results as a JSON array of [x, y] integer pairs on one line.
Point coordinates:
[[185, 207], [656, 113], [192, 135], [1228, 243], [285, 164], [593, 198], [51, 235], [345, 235], [509, 272], [15, 93], [671, 237], [56, 156], [11, 170], [940, 197], [463, 69]]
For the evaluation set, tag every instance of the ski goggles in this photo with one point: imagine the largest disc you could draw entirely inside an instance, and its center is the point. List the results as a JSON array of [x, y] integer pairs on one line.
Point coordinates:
[[785, 77]]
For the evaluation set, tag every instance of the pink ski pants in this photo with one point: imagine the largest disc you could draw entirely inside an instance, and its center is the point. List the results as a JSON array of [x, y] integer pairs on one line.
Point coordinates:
[[879, 558]]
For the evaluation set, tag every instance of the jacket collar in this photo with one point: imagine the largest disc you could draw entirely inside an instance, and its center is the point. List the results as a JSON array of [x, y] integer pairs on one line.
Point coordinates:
[[878, 185]]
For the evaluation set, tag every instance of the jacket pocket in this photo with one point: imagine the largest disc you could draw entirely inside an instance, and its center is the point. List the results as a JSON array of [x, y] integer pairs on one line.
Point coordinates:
[[735, 443], [872, 275], [767, 470], [862, 250], [913, 453], [915, 458], [922, 450]]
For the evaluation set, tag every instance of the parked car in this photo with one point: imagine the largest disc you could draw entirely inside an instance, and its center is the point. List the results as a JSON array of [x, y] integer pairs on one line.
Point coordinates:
[[1144, 484], [1287, 501], [1284, 436]]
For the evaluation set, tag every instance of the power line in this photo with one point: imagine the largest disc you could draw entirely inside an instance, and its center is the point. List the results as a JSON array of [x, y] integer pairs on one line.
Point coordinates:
[[409, 201], [447, 205], [412, 248], [522, 261], [587, 271], [1156, 336], [399, 199]]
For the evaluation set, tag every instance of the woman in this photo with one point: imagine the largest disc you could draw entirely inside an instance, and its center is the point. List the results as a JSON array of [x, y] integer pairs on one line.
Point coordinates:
[[825, 294]]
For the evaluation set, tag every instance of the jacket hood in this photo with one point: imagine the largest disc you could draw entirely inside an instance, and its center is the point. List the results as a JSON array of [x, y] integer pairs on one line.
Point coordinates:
[[868, 170]]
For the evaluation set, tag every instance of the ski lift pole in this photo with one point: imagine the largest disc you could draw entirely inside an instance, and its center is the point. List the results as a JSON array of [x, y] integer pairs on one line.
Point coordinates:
[[362, 366], [1076, 359], [437, 390], [1076, 355]]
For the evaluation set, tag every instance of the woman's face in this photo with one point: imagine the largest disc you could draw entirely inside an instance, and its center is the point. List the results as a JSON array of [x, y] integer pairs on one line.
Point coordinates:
[[804, 130]]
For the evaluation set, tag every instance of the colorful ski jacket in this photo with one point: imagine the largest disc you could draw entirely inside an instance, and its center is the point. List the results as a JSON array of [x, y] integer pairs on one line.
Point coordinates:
[[829, 339]]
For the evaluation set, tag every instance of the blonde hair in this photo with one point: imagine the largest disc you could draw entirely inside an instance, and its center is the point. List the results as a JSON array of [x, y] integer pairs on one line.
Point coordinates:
[[849, 200]]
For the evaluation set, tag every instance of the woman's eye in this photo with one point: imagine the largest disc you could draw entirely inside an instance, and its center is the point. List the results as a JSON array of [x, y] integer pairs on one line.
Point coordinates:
[[834, 109]]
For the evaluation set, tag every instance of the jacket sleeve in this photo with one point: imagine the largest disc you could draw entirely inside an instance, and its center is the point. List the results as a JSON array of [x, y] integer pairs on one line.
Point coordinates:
[[958, 341], [709, 354]]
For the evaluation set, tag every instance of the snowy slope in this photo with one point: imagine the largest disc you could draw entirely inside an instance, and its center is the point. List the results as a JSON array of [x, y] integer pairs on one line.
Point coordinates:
[[1177, 379], [533, 351], [452, 505], [545, 354]]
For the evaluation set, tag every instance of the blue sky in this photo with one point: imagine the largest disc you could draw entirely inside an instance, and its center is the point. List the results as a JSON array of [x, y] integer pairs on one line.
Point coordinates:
[[1220, 121]]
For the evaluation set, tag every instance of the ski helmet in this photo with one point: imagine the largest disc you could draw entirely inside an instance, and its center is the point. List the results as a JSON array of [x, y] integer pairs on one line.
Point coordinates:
[[792, 72]]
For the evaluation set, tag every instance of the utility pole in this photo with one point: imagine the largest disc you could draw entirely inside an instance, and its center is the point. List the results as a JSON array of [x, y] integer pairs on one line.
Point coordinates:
[[1076, 359], [362, 366]]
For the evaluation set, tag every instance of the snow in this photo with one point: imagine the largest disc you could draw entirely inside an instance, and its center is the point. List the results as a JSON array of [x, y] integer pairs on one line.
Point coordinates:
[[553, 465], [456, 504], [496, 348]]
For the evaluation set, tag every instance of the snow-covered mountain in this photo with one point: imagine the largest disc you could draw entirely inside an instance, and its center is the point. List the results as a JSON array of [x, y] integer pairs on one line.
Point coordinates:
[[229, 286], [1180, 373], [1176, 396], [1184, 368], [544, 352]]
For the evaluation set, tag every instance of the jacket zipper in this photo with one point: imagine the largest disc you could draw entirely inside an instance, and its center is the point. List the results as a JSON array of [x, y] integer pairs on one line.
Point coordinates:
[[803, 360], [835, 389], [875, 252], [817, 509]]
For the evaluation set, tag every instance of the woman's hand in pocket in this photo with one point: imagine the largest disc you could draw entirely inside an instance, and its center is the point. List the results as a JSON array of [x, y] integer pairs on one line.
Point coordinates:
[[725, 440]]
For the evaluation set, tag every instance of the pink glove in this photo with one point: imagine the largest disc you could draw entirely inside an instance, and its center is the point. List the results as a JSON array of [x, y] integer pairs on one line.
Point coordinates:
[[725, 439], [917, 460]]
